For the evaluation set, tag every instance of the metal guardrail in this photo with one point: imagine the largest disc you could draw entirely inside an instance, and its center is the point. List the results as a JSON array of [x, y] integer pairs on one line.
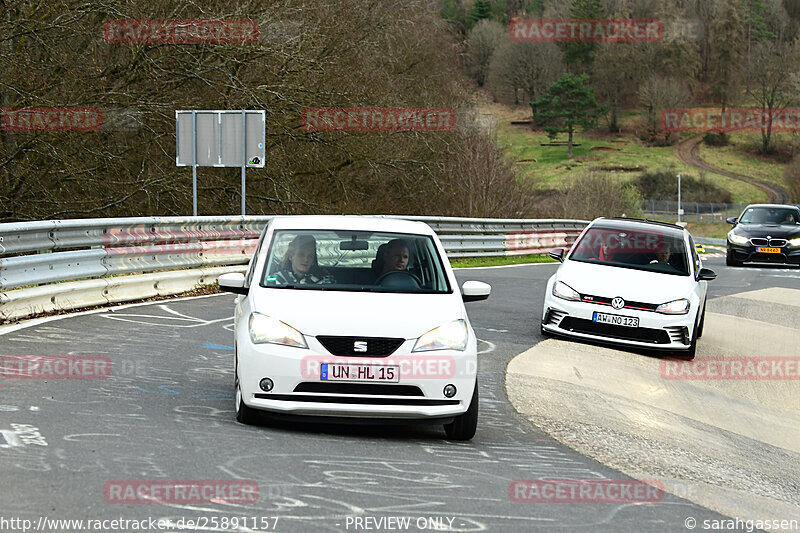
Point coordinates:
[[69, 264]]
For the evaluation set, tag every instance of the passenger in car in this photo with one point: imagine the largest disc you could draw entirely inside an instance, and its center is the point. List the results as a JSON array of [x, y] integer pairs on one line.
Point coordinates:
[[300, 264], [662, 256]]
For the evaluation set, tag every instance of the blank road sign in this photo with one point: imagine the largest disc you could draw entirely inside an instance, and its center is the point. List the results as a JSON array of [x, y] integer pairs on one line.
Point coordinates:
[[217, 141]]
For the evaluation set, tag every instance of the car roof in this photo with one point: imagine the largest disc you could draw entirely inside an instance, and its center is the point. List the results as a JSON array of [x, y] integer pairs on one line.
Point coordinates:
[[638, 223], [350, 222], [790, 206]]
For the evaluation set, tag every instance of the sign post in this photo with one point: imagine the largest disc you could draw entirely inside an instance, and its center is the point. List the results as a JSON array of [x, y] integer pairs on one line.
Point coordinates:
[[234, 138]]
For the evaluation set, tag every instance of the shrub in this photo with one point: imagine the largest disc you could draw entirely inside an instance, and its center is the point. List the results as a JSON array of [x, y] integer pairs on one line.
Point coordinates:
[[599, 195], [663, 185]]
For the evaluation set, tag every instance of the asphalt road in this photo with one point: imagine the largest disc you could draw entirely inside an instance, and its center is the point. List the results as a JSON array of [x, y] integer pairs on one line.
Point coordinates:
[[166, 413]]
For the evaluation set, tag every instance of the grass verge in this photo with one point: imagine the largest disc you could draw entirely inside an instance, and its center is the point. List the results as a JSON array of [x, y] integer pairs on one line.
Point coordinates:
[[466, 262]]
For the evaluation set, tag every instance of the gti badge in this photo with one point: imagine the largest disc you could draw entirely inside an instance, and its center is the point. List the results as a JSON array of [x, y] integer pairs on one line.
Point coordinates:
[[617, 303], [360, 346]]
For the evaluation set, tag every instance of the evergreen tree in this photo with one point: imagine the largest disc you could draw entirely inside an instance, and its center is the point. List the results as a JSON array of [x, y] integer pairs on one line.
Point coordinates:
[[581, 54], [481, 9], [567, 104]]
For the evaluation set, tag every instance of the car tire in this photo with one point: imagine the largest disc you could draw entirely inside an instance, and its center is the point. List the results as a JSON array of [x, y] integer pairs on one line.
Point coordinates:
[[464, 426], [730, 261], [690, 353], [244, 414], [702, 323]]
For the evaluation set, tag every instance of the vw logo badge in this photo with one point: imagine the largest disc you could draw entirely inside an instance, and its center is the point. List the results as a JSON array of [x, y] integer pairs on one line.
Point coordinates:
[[617, 303]]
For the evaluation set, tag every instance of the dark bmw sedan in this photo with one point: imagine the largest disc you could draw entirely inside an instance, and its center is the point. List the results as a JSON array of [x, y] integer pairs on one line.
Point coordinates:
[[765, 233]]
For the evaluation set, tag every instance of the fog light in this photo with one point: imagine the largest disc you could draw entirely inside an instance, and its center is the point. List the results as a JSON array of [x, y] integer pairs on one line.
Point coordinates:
[[449, 391], [266, 384]]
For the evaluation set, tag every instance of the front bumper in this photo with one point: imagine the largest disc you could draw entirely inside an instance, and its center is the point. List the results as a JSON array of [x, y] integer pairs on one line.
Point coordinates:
[[655, 331], [299, 390], [747, 253]]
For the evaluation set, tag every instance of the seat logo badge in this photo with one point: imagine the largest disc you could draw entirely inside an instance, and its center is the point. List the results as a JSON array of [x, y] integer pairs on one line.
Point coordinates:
[[617, 303], [360, 346]]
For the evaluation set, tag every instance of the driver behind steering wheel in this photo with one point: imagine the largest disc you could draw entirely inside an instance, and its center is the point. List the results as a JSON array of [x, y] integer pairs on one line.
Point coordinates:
[[395, 256]]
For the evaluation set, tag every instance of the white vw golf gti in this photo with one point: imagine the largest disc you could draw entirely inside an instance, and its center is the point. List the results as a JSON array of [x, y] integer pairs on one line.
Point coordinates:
[[348, 316], [631, 282]]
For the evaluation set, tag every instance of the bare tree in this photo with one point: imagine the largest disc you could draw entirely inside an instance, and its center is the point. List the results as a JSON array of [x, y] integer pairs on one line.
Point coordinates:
[[482, 41], [657, 93], [519, 71], [771, 82]]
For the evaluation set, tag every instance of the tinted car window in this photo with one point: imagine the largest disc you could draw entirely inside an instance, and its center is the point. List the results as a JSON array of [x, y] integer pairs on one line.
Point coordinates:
[[634, 248], [355, 261], [770, 215]]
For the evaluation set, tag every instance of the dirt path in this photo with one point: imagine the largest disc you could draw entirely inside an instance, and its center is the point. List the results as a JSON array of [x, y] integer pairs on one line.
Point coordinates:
[[687, 151]]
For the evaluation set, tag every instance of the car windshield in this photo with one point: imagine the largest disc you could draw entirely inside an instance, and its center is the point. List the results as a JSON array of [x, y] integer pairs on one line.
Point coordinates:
[[770, 215], [354, 261], [638, 249]]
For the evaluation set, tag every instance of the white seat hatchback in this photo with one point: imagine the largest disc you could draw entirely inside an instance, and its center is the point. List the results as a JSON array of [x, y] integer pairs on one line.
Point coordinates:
[[355, 317]]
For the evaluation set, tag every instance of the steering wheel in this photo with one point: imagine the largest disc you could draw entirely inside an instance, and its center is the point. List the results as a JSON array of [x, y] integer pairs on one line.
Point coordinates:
[[400, 279]]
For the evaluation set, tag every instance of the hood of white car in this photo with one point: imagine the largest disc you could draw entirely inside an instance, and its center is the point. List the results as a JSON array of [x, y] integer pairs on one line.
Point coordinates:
[[367, 314], [627, 283]]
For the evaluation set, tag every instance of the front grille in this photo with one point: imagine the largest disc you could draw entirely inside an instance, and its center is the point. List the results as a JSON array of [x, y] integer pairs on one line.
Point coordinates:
[[760, 241], [357, 400], [602, 300], [376, 389], [581, 325], [375, 346]]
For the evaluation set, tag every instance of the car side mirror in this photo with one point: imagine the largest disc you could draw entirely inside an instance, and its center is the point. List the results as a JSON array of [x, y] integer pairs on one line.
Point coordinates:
[[473, 291], [732, 220], [232, 282], [706, 274], [557, 254]]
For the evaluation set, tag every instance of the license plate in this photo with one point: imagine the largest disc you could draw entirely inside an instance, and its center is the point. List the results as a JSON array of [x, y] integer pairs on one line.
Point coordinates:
[[617, 320], [348, 372], [765, 250]]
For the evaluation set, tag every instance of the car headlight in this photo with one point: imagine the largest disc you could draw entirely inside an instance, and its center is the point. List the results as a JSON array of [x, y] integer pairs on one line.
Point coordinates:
[[675, 307], [562, 290], [794, 242], [450, 336], [265, 329], [737, 239]]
